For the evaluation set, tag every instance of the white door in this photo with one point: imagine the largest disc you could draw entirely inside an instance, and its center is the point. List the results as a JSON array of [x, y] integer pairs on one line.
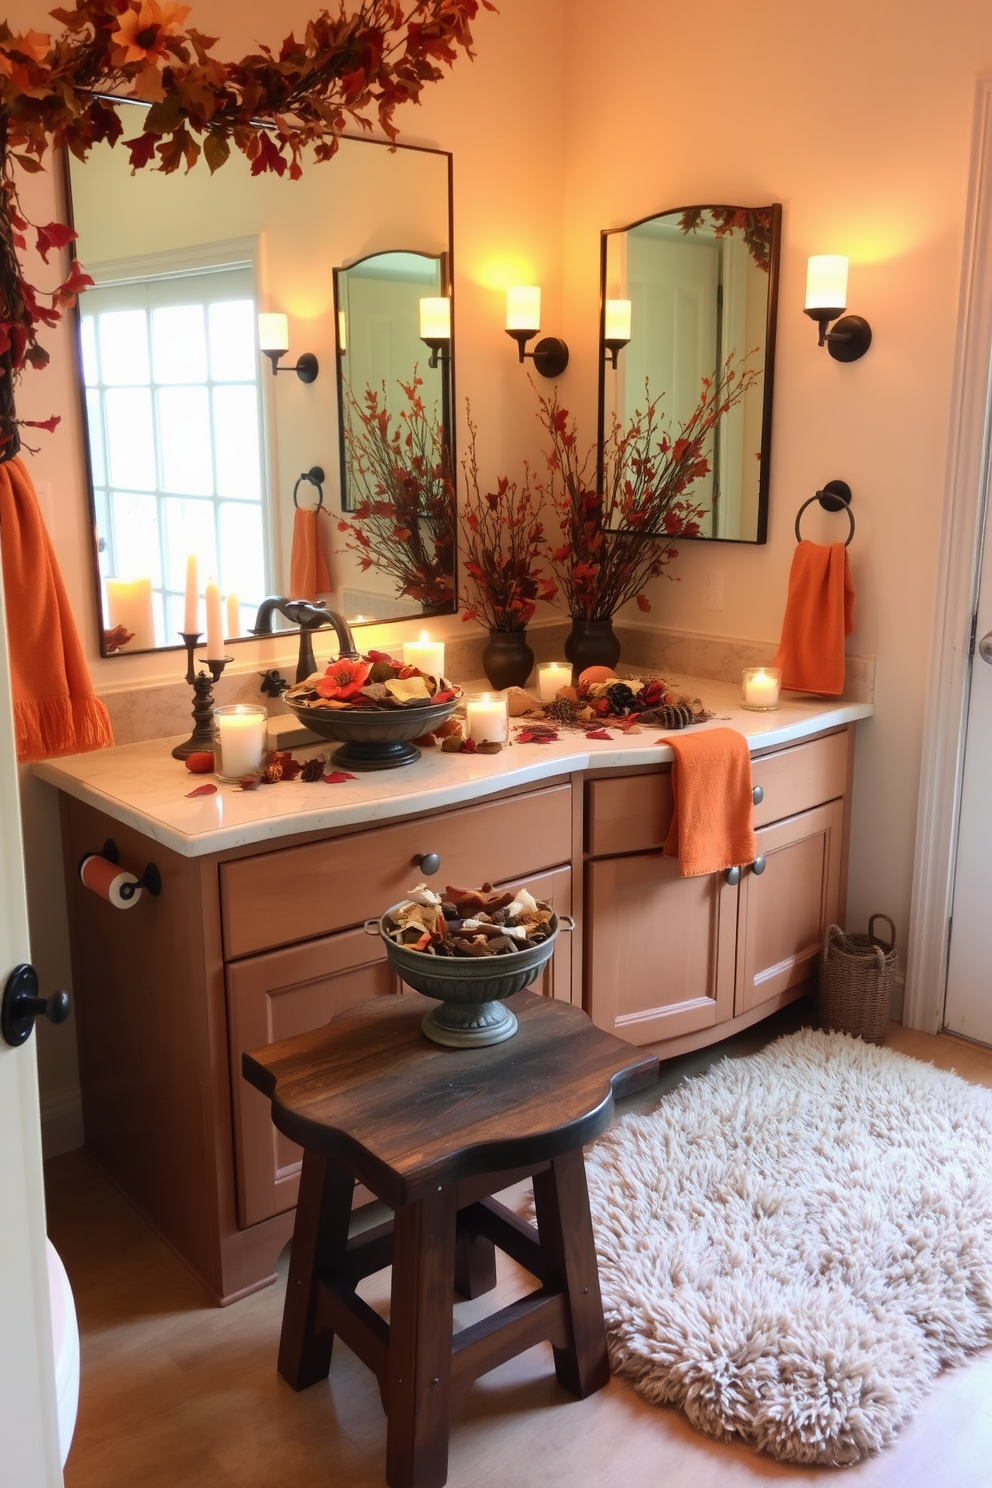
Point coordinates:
[[968, 1007], [29, 1453]]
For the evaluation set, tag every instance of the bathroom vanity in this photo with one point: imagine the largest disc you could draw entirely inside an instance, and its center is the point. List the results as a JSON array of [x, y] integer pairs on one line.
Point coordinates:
[[257, 932]]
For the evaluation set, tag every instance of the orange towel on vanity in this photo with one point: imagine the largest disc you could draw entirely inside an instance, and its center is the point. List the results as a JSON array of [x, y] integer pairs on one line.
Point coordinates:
[[55, 708], [819, 613], [711, 782], [308, 575]]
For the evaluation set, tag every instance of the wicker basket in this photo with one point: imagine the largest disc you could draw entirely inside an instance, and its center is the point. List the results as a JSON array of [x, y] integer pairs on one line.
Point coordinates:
[[856, 976]]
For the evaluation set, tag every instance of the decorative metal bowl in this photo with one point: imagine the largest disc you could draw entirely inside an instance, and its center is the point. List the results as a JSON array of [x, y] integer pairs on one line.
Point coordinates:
[[375, 738], [471, 990]]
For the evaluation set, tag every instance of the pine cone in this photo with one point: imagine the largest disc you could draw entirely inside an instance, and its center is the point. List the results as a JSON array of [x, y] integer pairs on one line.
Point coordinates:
[[621, 697], [313, 769], [561, 710]]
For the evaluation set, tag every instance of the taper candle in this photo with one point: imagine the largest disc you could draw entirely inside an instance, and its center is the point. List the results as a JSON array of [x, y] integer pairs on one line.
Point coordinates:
[[215, 628], [233, 616], [191, 621]]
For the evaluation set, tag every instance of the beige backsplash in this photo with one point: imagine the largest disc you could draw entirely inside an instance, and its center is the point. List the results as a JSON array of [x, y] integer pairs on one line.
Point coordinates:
[[162, 710]]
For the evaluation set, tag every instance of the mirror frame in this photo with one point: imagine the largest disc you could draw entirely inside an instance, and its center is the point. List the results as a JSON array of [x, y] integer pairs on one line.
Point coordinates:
[[771, 318], [80, 392], [446, 362]]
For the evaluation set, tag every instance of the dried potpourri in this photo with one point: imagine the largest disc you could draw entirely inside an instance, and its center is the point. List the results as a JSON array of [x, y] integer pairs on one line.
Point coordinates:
[[468, 922], [622, 703], [374, 681]]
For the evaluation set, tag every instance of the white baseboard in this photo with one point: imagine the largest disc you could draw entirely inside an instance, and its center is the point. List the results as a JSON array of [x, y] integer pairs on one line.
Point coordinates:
[[61, 1122]]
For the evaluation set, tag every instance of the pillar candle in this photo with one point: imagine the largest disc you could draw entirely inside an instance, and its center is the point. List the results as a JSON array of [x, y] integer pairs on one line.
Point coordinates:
[[191, 620], [215, 628], [130, 604], [239, 731], [487, 719], [425, 654], [233, 616], [761, 687], [551, 676]]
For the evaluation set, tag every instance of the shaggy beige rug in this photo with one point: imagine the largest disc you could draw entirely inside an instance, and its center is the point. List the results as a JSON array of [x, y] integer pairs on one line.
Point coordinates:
[[793, 1244]]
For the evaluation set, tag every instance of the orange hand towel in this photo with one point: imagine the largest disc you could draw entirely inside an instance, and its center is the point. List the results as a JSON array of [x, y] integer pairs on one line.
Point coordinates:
[[308, 575], [819, 613], [55, 708], [711, 782]]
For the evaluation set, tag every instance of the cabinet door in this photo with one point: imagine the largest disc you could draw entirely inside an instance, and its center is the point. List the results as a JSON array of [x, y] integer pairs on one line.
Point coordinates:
[[784, 912], [661, 948], [300, 988]]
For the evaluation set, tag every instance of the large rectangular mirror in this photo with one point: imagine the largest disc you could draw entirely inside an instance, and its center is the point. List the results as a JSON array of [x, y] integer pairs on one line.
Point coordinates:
[[196, 445], [702, 287]]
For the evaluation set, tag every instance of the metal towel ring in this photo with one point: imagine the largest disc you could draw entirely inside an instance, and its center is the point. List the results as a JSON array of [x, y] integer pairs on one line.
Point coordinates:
[[315, 476], [838, 504]]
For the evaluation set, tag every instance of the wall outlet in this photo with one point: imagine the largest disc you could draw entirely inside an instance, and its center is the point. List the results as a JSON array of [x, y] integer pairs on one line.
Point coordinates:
[[713, 589]]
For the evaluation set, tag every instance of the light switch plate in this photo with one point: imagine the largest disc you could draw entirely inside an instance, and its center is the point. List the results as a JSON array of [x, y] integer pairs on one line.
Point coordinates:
[[713, 589]]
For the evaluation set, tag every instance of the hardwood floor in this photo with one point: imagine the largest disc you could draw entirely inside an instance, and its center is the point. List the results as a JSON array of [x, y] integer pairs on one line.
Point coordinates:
[[177, 1393]]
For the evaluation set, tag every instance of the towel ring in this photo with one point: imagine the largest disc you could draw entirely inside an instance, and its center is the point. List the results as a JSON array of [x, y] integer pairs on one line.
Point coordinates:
[[837, 503], [315, 476]]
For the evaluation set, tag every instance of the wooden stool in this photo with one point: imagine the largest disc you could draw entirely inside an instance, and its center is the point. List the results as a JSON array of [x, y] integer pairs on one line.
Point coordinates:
[[434, 1132]]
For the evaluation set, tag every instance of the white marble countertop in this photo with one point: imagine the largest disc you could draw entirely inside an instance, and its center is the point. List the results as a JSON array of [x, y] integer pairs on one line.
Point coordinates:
[[142, 786]]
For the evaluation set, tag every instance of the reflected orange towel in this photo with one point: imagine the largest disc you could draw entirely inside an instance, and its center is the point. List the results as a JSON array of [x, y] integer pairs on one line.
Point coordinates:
[[819, 613], [55, 708], [308, 575], [711, 782]]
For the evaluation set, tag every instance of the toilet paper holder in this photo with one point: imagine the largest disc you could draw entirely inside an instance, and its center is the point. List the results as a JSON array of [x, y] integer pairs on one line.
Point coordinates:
[[151, 879]]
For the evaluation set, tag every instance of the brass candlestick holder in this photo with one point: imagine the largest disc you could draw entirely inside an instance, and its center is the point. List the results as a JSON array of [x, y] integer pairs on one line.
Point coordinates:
[[202, 683]]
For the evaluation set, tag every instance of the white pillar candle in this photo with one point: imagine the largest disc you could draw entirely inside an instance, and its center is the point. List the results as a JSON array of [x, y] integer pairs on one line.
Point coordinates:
[[487, 718], [191, 619], [233, 616], [215, 628], [425, 654], [239, 739], [129, 603], [551, 676], [760, 686]]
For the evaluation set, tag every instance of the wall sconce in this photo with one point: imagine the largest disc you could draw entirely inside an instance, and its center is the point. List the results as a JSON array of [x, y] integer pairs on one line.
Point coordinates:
[[523, 321], [273, 342], [435, 328], [616, 328], [826, 299]]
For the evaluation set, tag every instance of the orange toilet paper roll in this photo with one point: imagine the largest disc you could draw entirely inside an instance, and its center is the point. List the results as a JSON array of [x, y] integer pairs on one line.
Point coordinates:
[[110, 881]]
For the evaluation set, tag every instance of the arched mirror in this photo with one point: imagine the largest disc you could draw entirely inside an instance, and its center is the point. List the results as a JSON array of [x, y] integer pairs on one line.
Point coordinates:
[[700, 285], [194, 446]]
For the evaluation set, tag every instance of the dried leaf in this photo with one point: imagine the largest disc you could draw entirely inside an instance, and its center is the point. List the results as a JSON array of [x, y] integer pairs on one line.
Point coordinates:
[[337, 776], [202, 790]]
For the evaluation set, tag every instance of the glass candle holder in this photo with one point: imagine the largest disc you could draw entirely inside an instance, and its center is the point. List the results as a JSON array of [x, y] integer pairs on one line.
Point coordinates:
[[487, 718], [760, 688], [551, 677], [239, 739]]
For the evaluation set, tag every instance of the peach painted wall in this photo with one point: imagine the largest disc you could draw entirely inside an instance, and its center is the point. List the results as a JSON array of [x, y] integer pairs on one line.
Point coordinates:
[[670, 104]]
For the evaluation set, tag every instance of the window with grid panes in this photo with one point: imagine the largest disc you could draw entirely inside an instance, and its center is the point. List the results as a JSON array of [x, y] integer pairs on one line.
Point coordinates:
[[170, 365]]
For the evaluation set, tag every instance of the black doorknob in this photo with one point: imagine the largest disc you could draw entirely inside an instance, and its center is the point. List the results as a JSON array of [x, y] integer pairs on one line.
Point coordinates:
[[428, 863], [21, 1005]]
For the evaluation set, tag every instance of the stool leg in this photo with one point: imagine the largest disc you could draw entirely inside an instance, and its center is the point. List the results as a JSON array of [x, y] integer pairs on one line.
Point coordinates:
[[475, 1261], [420, 1342], [561, 1201], [320, 1239]]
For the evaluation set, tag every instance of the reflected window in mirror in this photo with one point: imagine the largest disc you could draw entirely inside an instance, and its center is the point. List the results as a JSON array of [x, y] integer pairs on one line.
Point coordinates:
[[288, 237], [702, 283], [173, 416]]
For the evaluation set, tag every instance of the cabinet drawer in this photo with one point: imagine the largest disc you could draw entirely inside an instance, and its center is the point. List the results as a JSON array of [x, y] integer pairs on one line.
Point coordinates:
[[632, 813], [302, 892], [800, 777]]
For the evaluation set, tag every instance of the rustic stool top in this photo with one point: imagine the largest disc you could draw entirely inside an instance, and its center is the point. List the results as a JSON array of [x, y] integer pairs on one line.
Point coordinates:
[[371, 1090]]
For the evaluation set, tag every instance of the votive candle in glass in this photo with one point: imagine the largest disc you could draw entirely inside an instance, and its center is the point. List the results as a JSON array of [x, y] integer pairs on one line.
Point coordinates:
[[426, 655], [760, 688], [487, 718], [239, 739], [551, 677]]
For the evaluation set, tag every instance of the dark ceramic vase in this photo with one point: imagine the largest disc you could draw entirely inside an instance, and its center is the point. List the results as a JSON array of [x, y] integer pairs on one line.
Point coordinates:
[[508, 660], [591, 643]]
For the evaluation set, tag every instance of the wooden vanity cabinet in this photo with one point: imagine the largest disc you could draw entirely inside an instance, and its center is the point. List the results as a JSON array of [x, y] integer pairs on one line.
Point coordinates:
[[241, 948], [678, 962]]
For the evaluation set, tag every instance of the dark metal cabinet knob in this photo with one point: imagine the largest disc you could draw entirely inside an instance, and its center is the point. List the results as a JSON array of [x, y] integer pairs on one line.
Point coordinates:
[[428, 863], [757, 795], [733, 876], [21, 1005], [758, 866]]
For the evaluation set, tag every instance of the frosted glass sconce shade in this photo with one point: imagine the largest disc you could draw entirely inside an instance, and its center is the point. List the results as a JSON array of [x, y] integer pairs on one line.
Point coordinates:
[[435, 327], [273, 342], [616, 327]]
